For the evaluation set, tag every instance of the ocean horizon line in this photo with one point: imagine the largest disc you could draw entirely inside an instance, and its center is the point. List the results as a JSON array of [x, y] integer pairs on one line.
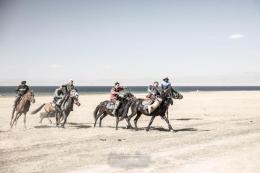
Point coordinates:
[[49, 90]]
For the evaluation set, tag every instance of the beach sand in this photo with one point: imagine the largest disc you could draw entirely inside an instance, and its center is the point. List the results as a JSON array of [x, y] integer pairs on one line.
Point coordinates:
[[215, 132]]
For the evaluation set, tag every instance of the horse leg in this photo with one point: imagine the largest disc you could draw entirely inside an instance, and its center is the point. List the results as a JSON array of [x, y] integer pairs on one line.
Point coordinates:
[[128, 120], [57, 116], [117, 120], [41, 118], [150, 123], [12, 117], [136, 119], [65, 119], [15, 119], [167, 121], [96, 118], [24, 120], [101, 118], [49, 120]]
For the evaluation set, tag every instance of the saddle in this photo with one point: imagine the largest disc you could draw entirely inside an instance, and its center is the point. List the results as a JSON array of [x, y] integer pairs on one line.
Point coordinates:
[[147, 102], [110, 105]]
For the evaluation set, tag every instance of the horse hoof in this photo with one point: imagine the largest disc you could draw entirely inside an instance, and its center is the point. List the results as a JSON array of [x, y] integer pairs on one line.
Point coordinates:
[[171, 130]]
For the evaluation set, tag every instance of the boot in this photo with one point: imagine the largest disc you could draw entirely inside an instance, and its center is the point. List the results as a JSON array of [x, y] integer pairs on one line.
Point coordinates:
[[116, 107]]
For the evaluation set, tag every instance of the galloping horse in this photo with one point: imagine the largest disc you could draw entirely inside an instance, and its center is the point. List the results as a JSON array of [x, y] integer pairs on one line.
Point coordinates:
[[22, 107], [103, 109], [137, 108], [66, 107]]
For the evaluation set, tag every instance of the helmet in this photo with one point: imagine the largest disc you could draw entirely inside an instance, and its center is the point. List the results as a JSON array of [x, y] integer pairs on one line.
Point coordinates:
[[23, 82], [116, 83]]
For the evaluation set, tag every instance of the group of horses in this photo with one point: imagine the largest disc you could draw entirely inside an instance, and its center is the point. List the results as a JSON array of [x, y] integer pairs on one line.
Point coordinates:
[[130, 106], [137, 107]]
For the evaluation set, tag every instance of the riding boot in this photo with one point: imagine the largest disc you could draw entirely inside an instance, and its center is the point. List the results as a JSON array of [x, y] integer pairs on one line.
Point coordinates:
[[117, 103]]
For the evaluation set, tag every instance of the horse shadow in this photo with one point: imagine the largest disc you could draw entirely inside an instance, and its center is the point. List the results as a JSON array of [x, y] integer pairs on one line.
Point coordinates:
[[175, 130], [163, 129], [185, 119], [73, 125], [80, 125]]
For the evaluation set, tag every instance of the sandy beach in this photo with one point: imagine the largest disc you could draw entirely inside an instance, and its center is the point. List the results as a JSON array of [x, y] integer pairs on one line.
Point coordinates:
[[215, 132]]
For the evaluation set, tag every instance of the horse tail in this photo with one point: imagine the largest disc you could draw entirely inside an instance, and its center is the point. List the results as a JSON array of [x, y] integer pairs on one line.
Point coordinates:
[[96, 111], [38, 109]]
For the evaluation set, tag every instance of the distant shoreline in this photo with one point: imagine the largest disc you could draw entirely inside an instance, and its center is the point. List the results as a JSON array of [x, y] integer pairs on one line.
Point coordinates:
[[48, 90]]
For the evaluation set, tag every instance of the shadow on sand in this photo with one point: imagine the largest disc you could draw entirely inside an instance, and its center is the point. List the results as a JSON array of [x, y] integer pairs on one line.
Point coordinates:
[[73, 125], [185, 119], [160, 129]]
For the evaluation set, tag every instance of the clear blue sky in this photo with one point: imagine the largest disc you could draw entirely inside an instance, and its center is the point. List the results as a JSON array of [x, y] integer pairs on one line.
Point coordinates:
[[135, 42]]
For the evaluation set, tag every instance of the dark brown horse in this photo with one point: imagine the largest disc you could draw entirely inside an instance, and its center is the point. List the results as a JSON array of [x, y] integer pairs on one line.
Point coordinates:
[[103, 109], [137, 108], [22, 107]]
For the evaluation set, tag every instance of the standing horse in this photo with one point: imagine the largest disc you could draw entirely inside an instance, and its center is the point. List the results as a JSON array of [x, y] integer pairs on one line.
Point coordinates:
[[137, 108], [22, 107], [105, 108]]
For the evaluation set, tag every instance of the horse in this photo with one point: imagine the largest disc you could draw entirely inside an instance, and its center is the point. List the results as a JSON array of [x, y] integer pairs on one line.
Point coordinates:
[[67, 106], [51, 111], [137, 108], [22, 107], [105, 108]]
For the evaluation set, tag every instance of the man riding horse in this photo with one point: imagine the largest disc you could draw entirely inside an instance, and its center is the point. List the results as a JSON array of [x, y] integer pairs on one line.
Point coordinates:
[[20, 90], [166, 85], [67, 89], [59, 96], [114, 97]]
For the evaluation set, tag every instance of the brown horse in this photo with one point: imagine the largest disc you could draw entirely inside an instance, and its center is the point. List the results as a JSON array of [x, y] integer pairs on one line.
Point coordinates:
[[49, 111], [22, 107]]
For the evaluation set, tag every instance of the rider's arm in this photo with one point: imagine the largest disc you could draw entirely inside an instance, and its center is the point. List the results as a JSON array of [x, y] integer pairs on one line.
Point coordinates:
[[113, 91]]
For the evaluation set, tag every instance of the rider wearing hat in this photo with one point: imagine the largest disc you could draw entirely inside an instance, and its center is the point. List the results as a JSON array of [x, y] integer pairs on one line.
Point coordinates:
[[114, 97], [20, 90], [166, 85], [69, 86], [153, 90]]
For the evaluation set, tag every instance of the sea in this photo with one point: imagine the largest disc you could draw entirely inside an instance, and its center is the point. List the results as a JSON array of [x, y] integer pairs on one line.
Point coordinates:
[[49, 90]]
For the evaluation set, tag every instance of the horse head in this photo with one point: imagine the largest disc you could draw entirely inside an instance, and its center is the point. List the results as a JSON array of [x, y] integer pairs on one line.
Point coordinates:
[[75, 96], [30, 96], [177, 96]]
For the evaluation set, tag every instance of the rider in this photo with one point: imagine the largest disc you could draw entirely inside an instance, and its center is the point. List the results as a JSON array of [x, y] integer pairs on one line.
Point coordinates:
[[59, 97], [20, 90], [114, 97], [166, 85], [153, 91], [68, 87]]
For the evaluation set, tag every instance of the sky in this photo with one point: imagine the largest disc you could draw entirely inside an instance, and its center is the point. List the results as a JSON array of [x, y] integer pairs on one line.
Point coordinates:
[[135, 42]]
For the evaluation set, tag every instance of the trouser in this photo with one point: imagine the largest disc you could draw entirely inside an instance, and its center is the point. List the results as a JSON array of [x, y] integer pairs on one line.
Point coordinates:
[[117, 104]]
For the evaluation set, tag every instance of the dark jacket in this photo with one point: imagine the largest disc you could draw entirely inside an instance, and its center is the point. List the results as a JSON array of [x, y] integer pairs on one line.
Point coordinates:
[[22, 89]]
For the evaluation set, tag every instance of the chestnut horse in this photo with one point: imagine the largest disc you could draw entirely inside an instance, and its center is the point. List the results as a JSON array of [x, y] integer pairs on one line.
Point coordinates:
[[22, 107]]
